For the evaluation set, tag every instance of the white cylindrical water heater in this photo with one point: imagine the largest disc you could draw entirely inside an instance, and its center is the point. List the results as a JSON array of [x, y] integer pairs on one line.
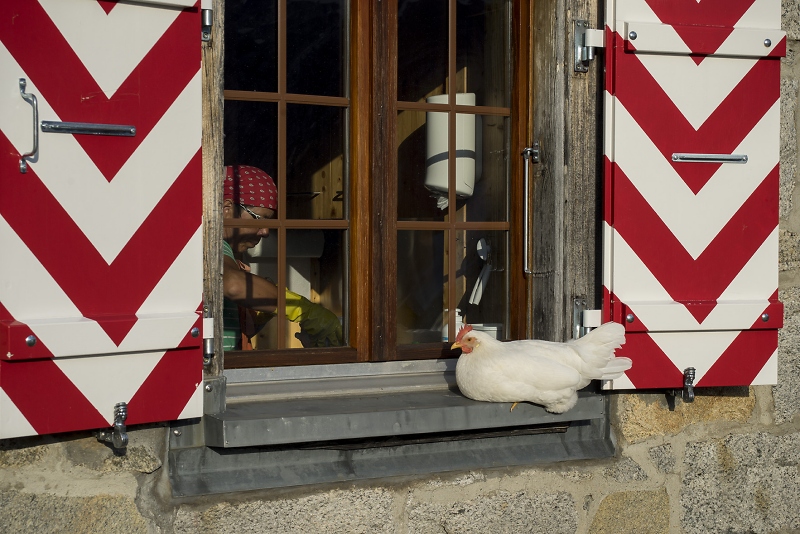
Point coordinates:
[[436, 163]]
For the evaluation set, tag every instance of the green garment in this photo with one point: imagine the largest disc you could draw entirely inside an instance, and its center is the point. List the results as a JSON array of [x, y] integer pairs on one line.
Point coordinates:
[[232, 330], [319, 326]]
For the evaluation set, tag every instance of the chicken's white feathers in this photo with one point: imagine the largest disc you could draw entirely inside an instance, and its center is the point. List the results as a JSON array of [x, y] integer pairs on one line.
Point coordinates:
[[542, 372]]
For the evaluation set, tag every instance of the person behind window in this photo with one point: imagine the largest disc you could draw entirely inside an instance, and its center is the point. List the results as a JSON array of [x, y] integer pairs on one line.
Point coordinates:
[[249, 192]]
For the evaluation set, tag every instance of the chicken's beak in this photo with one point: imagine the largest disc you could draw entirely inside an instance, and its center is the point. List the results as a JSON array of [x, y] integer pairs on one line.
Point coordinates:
[[455, 345]]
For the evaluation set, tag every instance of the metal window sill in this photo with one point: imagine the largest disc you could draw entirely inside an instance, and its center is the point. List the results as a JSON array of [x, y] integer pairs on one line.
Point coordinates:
[[298, 426], [357, 401]]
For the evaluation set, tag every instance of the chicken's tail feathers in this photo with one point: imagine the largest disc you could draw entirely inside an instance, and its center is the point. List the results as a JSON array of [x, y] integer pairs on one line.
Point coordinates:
[[615, 367], [597, 349], [611, 335]]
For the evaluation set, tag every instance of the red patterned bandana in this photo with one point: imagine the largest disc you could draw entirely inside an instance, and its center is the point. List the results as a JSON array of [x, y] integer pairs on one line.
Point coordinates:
[[250, 186]]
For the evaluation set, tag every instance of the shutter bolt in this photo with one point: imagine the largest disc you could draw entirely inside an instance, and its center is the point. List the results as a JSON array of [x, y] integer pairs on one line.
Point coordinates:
[[767, 43], [209, 387], [195, 332], [630, 318], [177, 432], [30, 340], [765, 317], [632, 36]]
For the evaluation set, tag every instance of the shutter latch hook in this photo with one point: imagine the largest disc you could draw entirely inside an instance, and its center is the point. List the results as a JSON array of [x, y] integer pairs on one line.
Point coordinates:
[[118, 434]]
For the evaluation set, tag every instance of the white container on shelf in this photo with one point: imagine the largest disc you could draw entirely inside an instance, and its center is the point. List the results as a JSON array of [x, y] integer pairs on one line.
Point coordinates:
[[445, 332], [436, 162], [493, 329]]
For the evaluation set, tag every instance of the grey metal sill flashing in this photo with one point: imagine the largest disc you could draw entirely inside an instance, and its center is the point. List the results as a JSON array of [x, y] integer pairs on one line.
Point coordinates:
[[295, 405], [320, 424], [204, 470]]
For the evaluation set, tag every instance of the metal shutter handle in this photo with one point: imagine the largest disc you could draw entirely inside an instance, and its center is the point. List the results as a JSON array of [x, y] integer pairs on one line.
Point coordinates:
[[31, 99]]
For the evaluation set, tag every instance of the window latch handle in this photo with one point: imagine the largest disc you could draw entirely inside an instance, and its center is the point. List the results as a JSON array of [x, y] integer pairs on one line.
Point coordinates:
[[530, 155]]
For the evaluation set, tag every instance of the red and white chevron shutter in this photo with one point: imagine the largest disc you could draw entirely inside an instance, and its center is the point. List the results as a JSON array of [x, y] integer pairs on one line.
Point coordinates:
[[101, 264], [691, 247]]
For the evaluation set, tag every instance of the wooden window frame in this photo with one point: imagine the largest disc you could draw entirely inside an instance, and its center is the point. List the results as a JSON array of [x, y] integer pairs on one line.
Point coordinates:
[[373, 206]]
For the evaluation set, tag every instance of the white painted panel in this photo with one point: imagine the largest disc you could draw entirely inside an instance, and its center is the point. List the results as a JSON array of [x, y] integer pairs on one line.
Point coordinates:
[[702, 216], [104, 42], [663, 39]]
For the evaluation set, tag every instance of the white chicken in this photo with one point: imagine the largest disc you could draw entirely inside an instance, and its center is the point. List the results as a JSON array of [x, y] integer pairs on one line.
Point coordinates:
[[542, 372]]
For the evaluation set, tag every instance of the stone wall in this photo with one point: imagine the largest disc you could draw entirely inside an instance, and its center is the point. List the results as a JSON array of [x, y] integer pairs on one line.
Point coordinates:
[[726, 463]]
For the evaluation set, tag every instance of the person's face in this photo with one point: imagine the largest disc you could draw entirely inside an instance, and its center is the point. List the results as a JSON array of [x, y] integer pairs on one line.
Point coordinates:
[[242, 239]]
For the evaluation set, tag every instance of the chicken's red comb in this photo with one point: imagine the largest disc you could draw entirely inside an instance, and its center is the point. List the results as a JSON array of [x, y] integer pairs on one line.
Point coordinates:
[[464, 329]]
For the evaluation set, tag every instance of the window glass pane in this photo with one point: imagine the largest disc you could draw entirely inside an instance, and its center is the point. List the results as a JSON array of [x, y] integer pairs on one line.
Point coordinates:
[[251, 45], [481, 280], [316, 162], [421, 49], [421, 279], [421, 166], [482, 50], [489, 200], [482, 166], [244, 323], [315, 296], [251, 135], [316, 47]]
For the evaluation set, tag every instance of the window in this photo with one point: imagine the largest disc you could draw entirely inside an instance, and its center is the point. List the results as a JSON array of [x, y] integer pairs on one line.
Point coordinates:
[[286, 112], [394, 166], [403, 262]]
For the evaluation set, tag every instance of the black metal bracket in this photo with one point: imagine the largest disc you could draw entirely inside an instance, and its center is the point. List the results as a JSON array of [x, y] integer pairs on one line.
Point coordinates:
[[687, 393]]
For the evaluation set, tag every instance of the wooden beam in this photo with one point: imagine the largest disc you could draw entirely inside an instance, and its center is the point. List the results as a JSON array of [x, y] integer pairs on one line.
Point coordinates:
[[212, 55], [566, 211]]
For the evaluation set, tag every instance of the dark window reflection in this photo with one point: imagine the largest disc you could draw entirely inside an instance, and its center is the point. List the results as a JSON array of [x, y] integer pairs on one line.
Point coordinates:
[[251, 45], [316, 47]]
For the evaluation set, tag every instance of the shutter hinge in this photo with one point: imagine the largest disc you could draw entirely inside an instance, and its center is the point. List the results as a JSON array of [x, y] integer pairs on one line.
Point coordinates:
[[584, 320], [586, 40], [208, 338], [206, 20]]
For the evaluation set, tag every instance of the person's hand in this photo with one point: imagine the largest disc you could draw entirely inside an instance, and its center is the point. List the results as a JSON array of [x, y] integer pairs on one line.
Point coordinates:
[[319, 326]]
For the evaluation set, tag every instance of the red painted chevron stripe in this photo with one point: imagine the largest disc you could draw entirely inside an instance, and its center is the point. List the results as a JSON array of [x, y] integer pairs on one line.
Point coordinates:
[[49, 400], [705, 278], [36, 387], [99, 290], [13, 346], [107, 5], [60, 76], [668, 129], [163, 396], [12, 338], [742, 360], [684, 14], [608, 190], [612, 40], [739, 364], [651, 367]]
